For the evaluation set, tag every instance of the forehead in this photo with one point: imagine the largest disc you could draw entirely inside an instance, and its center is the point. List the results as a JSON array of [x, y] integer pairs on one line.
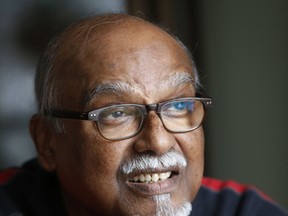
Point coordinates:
[[138, 54]]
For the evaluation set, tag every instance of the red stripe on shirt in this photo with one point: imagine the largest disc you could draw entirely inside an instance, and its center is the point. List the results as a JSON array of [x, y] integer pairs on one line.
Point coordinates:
[[6, 175], [217, 185]]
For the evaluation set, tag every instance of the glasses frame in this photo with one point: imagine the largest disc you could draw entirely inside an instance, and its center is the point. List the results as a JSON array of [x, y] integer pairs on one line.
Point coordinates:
[[93, 115]]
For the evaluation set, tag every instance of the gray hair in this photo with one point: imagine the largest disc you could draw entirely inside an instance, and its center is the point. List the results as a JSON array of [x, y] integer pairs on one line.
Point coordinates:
[[46, 86]]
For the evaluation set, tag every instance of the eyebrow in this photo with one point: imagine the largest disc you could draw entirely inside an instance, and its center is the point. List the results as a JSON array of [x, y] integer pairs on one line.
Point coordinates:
[[120, 87]]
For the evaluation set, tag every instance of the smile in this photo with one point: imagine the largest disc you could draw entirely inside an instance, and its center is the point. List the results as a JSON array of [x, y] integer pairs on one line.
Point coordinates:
[[151, 178], [154, 183], [148, 175]]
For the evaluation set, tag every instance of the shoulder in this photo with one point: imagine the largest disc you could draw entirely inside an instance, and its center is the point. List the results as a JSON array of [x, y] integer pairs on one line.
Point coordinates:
[[29, 190], [8, 207], [231, 198], [6, 175]]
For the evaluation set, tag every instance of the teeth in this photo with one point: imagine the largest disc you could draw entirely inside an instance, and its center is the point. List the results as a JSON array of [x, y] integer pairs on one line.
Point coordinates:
[[148, 177], [142, 178], [163, 175], [155, 177]]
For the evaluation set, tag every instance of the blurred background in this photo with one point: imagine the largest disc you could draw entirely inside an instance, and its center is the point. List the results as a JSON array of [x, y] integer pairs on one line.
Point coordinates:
[[240, 47]]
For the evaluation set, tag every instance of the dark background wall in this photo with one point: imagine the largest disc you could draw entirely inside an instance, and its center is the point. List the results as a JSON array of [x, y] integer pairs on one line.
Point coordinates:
[[245, 52], [241, 49]]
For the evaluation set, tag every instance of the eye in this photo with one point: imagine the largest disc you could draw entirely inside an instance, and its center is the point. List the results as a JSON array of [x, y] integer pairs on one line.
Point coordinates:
[[179, 105], [178, 108], [115, 114], [119, 115]]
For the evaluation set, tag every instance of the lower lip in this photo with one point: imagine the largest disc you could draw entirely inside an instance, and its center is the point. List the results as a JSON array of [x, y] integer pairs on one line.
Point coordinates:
[[151, 189]]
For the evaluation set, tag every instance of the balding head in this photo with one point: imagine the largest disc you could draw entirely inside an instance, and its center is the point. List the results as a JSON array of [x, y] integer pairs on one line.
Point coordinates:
[[61, 57]]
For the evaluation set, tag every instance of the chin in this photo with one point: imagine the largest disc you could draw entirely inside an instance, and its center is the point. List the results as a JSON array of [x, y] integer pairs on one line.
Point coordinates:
[[157, 205]]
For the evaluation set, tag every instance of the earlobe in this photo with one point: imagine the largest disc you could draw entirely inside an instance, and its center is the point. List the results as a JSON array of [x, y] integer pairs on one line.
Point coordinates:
[[43, 140]]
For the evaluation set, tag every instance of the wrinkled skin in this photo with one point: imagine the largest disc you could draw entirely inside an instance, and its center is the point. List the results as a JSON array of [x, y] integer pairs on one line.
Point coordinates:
[[88, 166]]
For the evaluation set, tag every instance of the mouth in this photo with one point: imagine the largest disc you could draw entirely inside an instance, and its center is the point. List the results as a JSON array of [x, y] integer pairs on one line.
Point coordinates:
[[148, 175], [152, 177], [153, 183]]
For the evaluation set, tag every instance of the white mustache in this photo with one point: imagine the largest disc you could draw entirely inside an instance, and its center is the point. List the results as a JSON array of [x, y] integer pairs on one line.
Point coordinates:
[[144, 162]]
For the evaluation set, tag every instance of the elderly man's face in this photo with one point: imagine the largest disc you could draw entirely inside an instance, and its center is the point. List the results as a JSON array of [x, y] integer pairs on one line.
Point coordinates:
[[93, 171]]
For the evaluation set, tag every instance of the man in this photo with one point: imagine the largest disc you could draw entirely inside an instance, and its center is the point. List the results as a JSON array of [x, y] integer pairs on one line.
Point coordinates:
[[119, 130]]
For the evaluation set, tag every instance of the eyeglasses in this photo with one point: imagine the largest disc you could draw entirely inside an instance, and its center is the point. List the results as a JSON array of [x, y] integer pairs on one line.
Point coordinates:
[[122, 121]]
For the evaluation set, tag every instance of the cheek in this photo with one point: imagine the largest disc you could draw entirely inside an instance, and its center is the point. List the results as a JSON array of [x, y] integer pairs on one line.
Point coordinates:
[[192, 146], [87, 166], [84, 147]]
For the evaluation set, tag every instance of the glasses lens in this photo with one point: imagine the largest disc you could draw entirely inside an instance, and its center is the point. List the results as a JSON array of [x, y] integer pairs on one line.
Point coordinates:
[[182, 115], [118, 122]]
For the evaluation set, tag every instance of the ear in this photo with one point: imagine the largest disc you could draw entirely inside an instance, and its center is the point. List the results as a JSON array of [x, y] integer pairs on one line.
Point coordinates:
[[43, 140]]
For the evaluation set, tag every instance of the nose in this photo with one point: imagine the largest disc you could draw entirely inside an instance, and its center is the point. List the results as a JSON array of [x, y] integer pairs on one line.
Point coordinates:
[[154, 137]]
